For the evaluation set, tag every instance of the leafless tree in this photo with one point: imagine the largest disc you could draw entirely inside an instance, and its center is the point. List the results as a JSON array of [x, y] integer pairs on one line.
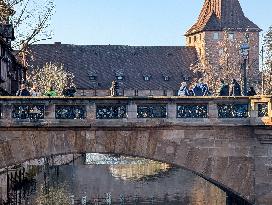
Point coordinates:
[[30, 19], [224, 62], [267, 67], [51, 74]]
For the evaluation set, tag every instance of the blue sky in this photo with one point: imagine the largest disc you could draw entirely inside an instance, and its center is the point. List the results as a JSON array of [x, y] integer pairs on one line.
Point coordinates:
[[137, 22]]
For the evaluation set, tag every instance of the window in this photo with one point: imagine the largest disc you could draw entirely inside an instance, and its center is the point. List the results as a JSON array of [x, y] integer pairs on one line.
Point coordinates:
[[92, 77], [82, 93], [166, 78], [120, 77], [221, 52], [231, 36], [190, 40], [147, 78], [194, 38], [199, 36], [215, 36]]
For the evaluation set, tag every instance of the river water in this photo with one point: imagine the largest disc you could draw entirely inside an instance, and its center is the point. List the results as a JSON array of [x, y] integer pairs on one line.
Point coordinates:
[[104, 179]]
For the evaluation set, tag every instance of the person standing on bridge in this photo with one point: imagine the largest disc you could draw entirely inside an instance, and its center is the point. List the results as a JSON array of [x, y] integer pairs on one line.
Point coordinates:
[[34, 91], [51, 92], [183, 90], [224, 89], [235, 88], [23, 91], [251, 91], [201, 89], [114, 88]]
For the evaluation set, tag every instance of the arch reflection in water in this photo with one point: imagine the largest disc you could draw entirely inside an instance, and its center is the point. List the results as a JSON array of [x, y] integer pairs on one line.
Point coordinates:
[[105, 179]]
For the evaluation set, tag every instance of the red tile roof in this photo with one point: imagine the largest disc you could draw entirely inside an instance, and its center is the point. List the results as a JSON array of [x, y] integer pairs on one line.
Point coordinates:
[[108, 61], [219, 15]]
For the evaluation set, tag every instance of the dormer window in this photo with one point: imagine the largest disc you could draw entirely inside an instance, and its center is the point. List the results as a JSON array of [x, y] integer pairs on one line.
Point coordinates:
[[166, 78], [147, 77], [92, 78], [119, 77], [92, 75]]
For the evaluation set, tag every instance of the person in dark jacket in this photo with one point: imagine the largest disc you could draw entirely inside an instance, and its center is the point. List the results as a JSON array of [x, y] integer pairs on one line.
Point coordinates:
[[23, 91], [69, 91], [224, 89], [235, 88], [201, 89], [251, 92]]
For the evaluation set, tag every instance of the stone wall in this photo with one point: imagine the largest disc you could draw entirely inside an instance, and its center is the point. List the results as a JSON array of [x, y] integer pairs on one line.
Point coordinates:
[[206, 44], [221, 155]]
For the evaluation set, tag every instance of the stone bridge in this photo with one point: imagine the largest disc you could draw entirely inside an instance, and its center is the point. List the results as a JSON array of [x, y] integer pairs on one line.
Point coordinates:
[[225, 140]]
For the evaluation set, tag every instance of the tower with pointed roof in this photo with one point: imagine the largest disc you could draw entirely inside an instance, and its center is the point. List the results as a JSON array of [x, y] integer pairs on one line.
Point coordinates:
[[217, 19]]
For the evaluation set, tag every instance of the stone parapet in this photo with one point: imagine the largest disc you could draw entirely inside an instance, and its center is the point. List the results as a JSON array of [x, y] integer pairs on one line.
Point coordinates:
[[135, 111]]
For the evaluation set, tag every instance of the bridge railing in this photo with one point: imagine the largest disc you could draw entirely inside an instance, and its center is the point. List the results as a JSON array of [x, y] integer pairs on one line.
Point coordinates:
[[134, 111]]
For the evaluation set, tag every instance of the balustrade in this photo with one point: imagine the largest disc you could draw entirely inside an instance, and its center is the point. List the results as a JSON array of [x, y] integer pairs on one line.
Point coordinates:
[[111, 111], [151, 111], [192, 111], [70, 112], [95, 110], [232, 110], [31, 112]]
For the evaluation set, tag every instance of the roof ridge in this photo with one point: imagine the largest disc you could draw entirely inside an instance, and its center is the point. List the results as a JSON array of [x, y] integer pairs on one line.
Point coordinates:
[[89, 45]]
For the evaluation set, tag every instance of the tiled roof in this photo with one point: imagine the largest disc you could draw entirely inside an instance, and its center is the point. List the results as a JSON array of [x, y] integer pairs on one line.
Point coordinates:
[[218, 15], [104, 63]]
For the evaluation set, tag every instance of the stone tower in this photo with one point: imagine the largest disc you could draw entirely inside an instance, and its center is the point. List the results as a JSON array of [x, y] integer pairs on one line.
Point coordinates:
[[221, 18]]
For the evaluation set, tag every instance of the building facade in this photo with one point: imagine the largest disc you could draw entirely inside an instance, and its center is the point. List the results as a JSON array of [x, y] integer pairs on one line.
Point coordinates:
[[11, 71], [221, 22], [155, 70]]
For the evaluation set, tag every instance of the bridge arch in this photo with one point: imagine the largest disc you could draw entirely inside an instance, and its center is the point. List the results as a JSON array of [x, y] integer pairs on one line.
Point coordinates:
[[206, 151]]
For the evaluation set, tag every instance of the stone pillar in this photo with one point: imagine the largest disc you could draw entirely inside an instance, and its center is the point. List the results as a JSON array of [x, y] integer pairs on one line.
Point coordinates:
[[253, 113], [49, 112], [212, 110], [132, 111], [172, 111], [91, 112], [6, 110]]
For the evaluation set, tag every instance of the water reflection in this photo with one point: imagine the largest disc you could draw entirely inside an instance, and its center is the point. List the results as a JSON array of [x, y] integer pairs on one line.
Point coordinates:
[[104, 179]]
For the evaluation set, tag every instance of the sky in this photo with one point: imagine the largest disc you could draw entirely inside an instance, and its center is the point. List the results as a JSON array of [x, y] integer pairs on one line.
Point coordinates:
[[137, 22]]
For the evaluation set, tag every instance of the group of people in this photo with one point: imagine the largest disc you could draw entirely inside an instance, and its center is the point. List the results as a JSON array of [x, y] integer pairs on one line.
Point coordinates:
[[201, 89], [197, 89], [34, 91], [28, 91]]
